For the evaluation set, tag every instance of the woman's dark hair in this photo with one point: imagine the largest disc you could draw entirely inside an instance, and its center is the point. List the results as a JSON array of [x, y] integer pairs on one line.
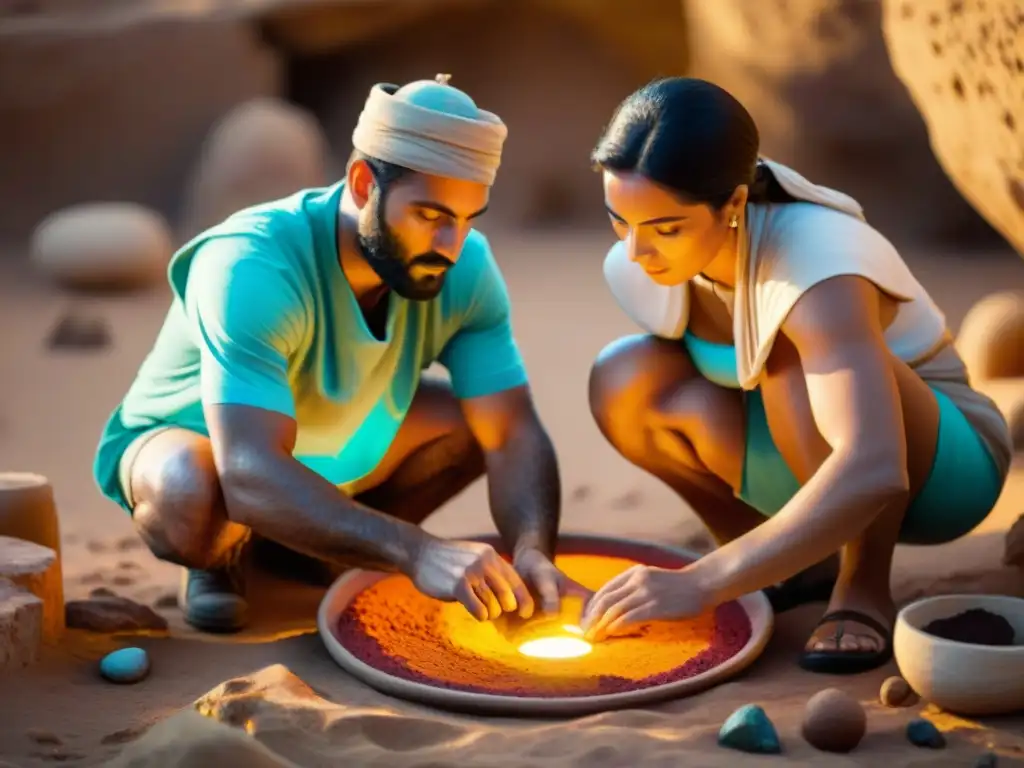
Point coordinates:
[[689, 136]]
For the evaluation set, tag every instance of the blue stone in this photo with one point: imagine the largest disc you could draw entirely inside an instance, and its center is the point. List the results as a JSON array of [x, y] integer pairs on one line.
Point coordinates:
[[748, 729], [128, 665], [921, 733]]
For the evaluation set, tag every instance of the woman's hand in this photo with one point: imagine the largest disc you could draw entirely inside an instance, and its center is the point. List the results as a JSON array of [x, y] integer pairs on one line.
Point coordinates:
[[642, 594]]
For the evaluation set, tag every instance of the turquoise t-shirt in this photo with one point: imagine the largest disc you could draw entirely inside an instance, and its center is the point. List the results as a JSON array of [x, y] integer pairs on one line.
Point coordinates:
[[263, 316]]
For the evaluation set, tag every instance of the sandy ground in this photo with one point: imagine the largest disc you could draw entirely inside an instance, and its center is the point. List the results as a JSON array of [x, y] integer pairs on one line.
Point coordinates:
[[51, 411]]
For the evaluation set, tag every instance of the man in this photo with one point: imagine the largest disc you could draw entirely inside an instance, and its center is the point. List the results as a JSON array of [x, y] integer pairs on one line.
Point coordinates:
[[283, 395]]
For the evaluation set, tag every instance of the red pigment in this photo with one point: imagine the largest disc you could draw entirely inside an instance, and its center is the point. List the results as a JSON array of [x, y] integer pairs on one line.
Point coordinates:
[[719, 635]]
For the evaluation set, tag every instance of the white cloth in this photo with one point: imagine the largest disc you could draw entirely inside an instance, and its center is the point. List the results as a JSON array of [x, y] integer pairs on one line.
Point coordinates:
[[393, 129], [785, 250]]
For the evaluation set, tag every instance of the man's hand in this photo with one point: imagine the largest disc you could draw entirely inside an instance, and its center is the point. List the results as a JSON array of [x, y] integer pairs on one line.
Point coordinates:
[[642, 594], [473, 574], [549, 583]]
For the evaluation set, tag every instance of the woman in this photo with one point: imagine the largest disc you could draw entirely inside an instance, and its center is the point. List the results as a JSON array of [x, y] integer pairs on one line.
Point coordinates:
[[797, 386]]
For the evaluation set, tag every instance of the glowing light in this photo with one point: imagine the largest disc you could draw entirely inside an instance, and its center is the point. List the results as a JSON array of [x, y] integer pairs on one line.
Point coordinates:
[[557, 647]]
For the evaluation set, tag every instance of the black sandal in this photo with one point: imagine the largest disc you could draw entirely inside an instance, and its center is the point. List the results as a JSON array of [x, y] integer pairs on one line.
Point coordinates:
[[813, 585], [840, 662]]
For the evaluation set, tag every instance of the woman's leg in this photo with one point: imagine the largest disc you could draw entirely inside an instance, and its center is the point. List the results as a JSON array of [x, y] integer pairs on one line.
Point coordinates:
[[866, 562], [656, 410]]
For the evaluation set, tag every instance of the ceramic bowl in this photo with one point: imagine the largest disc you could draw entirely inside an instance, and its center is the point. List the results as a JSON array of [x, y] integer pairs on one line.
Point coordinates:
[[963, 678]]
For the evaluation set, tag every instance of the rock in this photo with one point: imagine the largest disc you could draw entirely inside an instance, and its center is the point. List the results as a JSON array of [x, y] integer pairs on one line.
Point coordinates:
[[76, 330], [21, 626], [962, 65], [103, 246], [834, 721], [44, 737], [28, 512], [921, 733], [262, 150], [113, 614], [991, 337], [816, 77], [36, 569], [127, 665], [168, 600], [896, 692], [748, 729], [988, 760]]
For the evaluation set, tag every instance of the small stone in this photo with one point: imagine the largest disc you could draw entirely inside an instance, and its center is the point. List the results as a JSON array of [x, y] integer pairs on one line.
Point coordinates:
[[748, 729], [921, 733], [128, 665], [79, 331], [169, 600], [896, 692], [44, 737], [834, 721], [988, 760], [113, 614]]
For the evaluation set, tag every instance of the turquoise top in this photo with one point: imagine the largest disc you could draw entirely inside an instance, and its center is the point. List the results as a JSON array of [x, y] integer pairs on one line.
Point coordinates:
[[263, 316], [715, 362]]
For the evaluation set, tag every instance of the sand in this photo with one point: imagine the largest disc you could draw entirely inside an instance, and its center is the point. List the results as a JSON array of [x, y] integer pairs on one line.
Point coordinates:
[[305, 711]]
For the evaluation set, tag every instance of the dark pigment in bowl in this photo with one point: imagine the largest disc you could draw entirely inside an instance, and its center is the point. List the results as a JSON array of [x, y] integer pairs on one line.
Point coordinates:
[[405, 620], [976, 626]]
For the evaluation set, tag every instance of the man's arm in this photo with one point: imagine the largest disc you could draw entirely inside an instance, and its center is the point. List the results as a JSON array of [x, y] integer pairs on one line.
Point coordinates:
[[266, 489], [522, 470], [248, 318], [489, 378]]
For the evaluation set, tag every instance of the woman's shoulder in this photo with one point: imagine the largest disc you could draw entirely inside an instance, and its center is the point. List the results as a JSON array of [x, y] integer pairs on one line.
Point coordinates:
[[803, 226], [815, 241]]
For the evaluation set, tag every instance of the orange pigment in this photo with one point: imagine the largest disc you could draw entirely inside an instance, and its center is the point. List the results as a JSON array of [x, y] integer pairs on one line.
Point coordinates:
[[442, 643]]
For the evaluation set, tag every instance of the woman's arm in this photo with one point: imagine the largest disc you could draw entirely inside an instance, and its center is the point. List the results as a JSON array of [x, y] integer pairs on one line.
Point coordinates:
[[837, 331]]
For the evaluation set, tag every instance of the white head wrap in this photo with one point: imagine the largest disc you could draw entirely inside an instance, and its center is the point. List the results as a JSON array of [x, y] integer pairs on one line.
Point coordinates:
[[431, 127]]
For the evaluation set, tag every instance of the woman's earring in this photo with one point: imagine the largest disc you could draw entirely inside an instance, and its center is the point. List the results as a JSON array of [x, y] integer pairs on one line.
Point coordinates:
[[734, 221]]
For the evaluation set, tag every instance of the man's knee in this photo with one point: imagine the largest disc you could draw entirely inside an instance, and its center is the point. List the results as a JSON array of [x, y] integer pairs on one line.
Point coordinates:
[[178, 505], [628, 380]]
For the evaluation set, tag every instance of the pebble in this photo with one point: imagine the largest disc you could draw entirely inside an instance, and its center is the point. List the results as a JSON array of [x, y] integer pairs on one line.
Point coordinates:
[[748, 729], [128, 665], [921, 733], [988, 760], [112, 614], [896, 692], [834, 721]]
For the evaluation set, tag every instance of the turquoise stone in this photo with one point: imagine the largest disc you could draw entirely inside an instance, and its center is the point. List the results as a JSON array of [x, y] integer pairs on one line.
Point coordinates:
[[748, 729], [128, 665]]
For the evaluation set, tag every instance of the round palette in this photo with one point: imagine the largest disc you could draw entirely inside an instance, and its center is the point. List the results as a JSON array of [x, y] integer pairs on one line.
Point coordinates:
[[381, 630]]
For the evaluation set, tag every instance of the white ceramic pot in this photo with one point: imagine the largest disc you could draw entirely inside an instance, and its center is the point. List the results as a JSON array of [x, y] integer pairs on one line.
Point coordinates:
[[964, 678]]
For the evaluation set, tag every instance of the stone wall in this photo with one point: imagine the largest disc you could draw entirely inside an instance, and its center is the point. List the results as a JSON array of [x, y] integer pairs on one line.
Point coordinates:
[[551, 84], [114, 104], [963, 63], [105, 113], [817, 78]]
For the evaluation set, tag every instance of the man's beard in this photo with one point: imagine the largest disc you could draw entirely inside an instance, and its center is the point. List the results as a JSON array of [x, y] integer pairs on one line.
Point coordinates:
[[388, 259]]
